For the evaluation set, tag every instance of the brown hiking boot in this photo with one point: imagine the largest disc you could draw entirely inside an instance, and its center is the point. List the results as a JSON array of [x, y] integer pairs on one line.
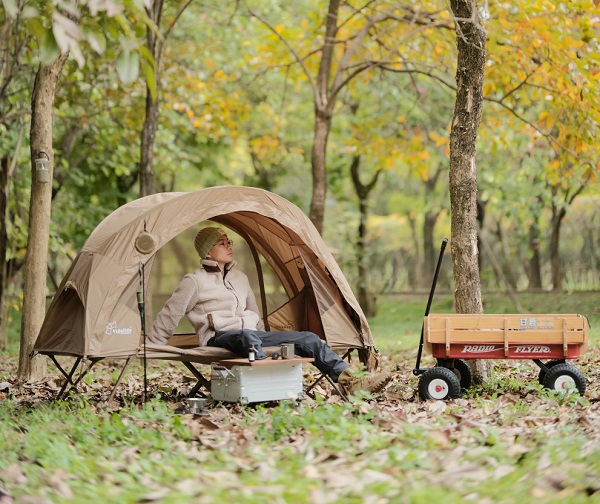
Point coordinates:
[[369, 383]]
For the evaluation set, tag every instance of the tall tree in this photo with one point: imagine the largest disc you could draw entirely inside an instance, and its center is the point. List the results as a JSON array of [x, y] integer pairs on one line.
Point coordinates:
[[36, 262], [353, 44], [470, 39], [68, 27], [155, 44], [363, 191]]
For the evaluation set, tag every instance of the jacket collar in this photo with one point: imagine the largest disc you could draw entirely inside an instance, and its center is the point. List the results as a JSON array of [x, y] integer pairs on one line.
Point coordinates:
[[213, 266]]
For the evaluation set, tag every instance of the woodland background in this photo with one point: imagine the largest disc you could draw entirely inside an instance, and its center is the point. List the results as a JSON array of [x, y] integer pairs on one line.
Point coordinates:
[[162, 96], [348, 116]]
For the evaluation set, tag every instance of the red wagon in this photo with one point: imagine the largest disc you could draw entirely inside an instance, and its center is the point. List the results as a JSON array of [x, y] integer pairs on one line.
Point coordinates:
[[453, 338], [550, 340]]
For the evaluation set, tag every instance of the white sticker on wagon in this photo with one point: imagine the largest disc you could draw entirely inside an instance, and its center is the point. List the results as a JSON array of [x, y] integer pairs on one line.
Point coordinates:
[[478, 348], [532, 349], [534, 323]]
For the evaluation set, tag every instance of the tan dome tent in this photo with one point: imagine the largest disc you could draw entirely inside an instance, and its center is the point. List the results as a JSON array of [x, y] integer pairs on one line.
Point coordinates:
[[94, 314]]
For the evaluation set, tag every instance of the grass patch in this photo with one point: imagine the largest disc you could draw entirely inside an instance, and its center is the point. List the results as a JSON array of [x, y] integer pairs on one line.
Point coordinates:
[[505, 441], [317, 453]]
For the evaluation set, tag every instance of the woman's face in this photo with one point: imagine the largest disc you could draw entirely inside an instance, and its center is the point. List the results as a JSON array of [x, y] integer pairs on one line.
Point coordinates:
[[222, 251]]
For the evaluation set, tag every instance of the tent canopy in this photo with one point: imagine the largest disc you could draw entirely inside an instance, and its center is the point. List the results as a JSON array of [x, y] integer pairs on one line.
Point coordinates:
[[94, 313]]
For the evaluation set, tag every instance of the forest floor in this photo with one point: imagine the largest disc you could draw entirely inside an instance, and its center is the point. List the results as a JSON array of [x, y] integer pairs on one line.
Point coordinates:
[[507, 440]]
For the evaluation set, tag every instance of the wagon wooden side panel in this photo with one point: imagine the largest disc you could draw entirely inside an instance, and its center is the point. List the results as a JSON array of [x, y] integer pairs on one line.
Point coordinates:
[[513, 336]]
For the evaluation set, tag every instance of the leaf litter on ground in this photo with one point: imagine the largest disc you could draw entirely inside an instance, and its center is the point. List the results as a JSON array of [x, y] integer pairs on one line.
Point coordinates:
[[499, 441]]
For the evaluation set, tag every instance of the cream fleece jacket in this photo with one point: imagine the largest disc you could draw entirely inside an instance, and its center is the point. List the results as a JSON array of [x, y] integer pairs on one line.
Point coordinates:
[[211, 301]]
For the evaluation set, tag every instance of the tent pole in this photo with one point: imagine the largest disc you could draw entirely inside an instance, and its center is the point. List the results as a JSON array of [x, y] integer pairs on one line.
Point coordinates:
[[140, 300], [112, 392]]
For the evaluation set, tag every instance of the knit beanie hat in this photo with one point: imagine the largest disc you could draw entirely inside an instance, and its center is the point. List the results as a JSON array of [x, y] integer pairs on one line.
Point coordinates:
[[206, 238]]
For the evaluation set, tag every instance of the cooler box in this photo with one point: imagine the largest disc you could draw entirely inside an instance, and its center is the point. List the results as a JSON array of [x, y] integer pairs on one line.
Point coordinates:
[[242, 381]]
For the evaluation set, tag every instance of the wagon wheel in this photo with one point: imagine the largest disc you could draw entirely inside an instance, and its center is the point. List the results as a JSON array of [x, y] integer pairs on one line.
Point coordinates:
[[549, 364], [563, 376], [439, 383], [463, 372]]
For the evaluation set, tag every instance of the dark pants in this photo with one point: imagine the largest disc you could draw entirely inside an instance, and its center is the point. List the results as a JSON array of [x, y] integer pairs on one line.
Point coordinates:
[[307, 344]]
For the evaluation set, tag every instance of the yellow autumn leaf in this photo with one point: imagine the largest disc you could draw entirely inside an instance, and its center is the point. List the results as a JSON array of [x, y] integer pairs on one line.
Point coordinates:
[[433, 136], [575, 44]]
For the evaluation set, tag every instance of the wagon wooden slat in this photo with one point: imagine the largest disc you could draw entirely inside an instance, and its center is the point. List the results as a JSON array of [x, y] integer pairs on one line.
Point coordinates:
[[511, 336]]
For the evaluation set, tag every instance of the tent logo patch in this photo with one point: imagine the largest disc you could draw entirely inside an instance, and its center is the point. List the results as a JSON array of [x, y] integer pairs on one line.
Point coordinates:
[[111, 328]]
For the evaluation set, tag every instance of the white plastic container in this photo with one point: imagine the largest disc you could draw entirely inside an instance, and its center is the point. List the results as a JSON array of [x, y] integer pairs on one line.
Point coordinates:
[[238, 380]]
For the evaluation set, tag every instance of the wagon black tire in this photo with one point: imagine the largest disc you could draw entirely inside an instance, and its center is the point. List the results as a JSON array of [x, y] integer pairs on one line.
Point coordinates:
[[562, 376], [549, 364], [464, 373], [439, 383]]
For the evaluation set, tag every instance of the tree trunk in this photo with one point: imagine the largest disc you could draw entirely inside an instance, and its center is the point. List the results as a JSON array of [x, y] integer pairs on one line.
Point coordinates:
[[36, 262], [365, 297], [148, 134], [480, 222], [470, 37], [429, 256], [319, 171], [324, 105], [5, 164], [413, 260], [534, 265], [147, 146], [508, 262], [557, 276]]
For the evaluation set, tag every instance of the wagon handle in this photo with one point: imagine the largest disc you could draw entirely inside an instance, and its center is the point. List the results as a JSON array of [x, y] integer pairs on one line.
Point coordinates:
[[417, 371]]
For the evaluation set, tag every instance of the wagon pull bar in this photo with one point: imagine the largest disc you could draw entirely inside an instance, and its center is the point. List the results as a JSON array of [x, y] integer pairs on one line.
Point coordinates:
[[417, 371]]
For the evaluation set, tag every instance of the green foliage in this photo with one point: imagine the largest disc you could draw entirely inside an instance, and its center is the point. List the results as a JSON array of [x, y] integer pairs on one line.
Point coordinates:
[[128, 66]]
